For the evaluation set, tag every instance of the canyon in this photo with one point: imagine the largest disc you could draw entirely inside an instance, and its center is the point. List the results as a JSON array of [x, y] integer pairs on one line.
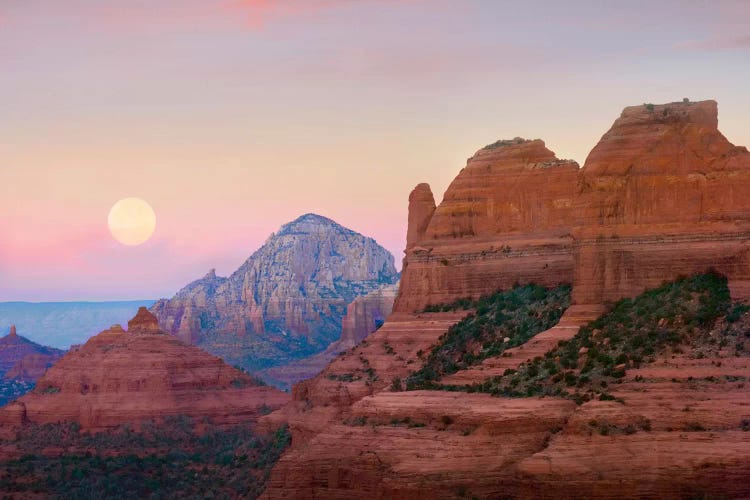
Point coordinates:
[[663, 195]]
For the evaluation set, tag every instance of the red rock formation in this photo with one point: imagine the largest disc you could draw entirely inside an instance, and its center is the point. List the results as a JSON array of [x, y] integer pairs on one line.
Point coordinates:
[[32, 366], [144, 373], [21, 358], [142, 322], [682, 429], [391, 352], [421, 208], [663, 194], [506, 218]]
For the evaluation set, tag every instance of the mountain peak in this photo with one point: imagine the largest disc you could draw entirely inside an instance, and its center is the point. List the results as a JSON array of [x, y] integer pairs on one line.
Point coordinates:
[[310, 223]]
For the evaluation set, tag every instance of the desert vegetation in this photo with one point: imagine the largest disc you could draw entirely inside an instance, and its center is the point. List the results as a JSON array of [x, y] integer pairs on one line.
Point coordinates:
[[176, 458], [500, 321], [690, 316]]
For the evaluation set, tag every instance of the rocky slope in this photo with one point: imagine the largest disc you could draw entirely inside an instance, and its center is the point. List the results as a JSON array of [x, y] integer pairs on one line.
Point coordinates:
[[286, 301], [124, 377], [363, 316], [652, 202], [672, 420]]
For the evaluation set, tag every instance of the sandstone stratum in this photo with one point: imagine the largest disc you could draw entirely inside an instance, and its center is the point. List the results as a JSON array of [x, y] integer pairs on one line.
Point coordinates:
[[287, 300], [140, 374], [621, 373]]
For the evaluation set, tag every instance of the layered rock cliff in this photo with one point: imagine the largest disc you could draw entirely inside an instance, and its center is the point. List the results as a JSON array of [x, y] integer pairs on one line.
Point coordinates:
[[662, 194], [506, 218], [286, 301], [659, 197], [144, 373]]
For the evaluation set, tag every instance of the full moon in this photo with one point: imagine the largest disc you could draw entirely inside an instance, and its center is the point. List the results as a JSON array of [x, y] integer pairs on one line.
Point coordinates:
[[131, 221]]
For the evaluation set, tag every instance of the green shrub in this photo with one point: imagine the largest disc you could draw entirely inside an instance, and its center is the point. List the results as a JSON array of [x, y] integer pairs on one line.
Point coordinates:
[[516, 314], [633, 332]]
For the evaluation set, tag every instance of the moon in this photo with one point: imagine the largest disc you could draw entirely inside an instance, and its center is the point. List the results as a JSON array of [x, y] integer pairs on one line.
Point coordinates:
[[131, 221]]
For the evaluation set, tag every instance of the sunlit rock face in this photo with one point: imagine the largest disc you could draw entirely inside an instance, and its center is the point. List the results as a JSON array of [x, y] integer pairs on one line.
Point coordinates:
[[123, 376], [663, 193], [286, 301], [504, 219]]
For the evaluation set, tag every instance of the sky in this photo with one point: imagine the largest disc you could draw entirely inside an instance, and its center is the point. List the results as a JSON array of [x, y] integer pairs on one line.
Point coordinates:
[[233, 117]]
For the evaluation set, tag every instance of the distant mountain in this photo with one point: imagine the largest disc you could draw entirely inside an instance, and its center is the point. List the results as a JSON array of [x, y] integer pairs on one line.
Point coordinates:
[[61, 324], [21, 363], [286, 301]]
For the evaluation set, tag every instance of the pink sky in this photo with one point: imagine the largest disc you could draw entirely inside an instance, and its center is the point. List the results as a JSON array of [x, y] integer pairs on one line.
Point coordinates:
[[232, 117]]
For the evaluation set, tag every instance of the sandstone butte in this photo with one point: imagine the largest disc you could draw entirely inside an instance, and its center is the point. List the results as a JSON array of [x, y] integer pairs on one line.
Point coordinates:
[[22, 359], [140, 374], [663, 194]]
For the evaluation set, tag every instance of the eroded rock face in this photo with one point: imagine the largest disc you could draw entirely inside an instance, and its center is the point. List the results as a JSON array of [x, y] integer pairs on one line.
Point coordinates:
[[506, 218], [363, 316], [286, 301], [421, 208], [662, 194], [119, 377], [23, 359], [653, 201]]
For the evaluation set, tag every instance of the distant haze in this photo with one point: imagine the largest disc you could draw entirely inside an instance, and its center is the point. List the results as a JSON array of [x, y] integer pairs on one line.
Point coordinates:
[[61, 324]]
